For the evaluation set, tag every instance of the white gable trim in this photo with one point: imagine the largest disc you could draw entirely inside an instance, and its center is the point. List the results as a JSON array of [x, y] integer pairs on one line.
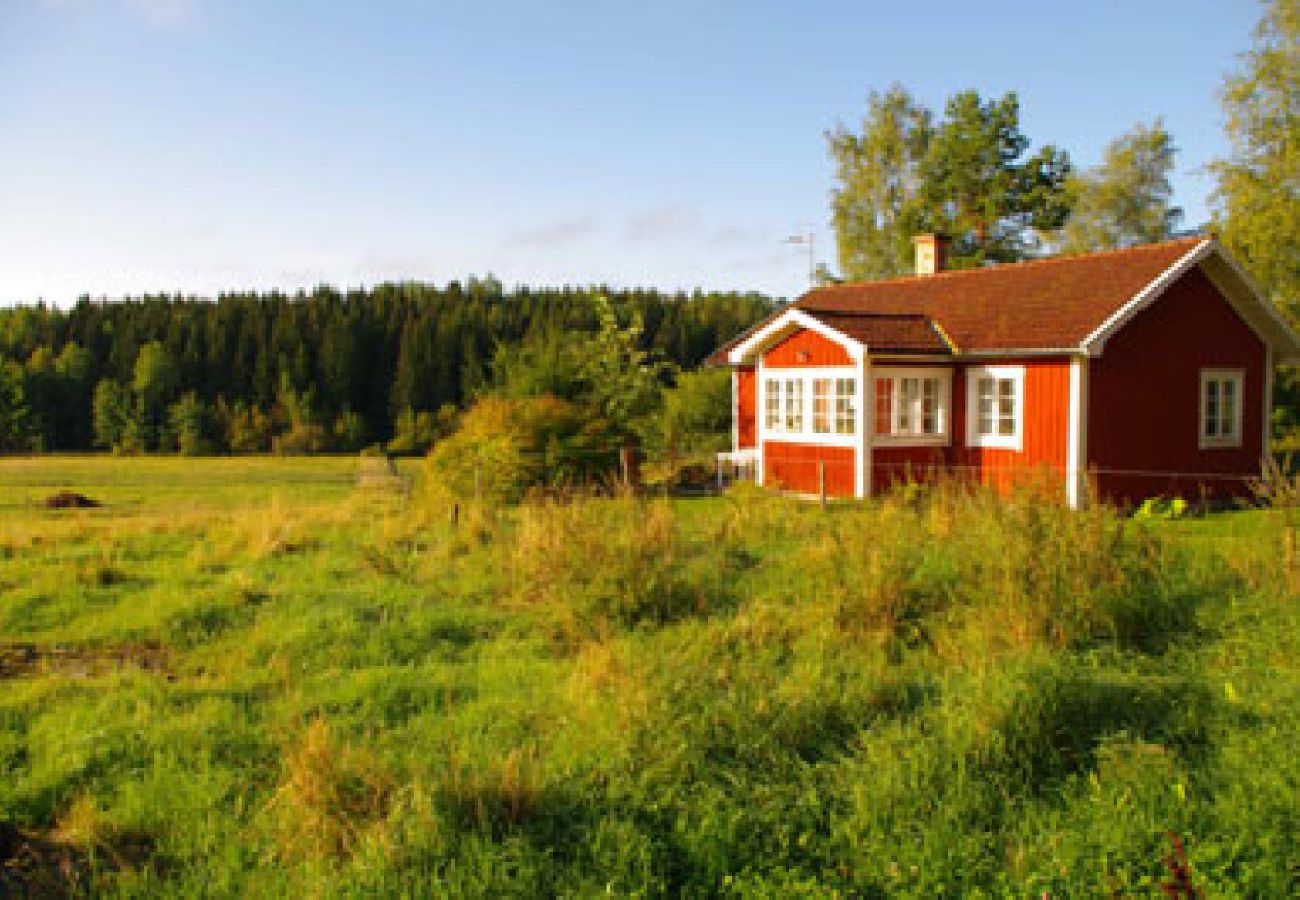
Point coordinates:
[[1094, 343], [1249, 303], [783, 326]]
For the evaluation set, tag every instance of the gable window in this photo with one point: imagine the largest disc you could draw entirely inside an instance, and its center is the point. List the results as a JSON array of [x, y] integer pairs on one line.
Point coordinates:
[[1221, 398], [772, 404], [794, 404], [821, 405], [995, 406], [912, 405]]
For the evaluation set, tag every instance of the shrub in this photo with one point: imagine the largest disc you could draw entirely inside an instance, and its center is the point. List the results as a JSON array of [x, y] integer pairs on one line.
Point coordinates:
[[504, 447]]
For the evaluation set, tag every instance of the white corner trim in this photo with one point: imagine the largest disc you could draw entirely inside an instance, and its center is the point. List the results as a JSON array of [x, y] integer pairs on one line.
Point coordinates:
[[1076, 447], [1095, 342], [1266, 306], [735, 409], [788, 322], [997, 441], [862, 479]]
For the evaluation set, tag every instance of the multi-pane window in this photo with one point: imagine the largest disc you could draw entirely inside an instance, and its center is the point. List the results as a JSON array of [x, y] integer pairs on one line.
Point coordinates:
[[811, 404], [911, 404], [1221, 407], [996, 405], [821, 405], [794, 405], [845, 411], [772, 404]]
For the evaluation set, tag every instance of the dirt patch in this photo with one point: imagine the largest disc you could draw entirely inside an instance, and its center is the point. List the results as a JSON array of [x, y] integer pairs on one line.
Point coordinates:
[[70, 500], [34, 865], [17, 660]]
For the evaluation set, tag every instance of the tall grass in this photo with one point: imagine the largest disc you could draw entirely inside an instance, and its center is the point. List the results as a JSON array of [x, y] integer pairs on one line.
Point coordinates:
[[943, 692]]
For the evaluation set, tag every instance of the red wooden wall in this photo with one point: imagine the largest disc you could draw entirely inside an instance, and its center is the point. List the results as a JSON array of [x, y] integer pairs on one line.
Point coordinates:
[[806, 348], [746, 408], [1043, 446], [794, 467], [1144, 398]]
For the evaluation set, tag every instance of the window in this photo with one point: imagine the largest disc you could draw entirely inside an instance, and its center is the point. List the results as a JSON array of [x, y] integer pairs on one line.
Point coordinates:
[[1221, 399], [821, 405], [818, 404], [794, 404], [772, 405], [912, 405], [845, 414], [995, 406]]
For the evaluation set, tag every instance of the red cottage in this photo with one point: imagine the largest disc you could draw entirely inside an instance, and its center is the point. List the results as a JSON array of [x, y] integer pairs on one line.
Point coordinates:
[[1148, 370]]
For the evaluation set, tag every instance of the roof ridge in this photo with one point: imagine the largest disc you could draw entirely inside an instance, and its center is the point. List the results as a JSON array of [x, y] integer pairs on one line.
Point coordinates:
[[1021, 264]]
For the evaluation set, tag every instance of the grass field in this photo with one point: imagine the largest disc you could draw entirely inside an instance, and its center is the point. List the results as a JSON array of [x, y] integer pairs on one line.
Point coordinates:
[[252, 677]]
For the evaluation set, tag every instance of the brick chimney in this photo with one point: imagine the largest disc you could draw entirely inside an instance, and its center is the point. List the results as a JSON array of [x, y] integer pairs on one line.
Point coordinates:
[[931, 253]]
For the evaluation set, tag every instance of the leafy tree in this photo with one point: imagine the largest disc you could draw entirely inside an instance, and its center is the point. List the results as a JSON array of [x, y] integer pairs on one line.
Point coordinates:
[[978, 187], [547, 362], [15, 433], [625, 380], [190, 424], [878, 185], [1128, 199], [112, 413], [1257, 194], [697, 412], [969, 175], [156, 376]]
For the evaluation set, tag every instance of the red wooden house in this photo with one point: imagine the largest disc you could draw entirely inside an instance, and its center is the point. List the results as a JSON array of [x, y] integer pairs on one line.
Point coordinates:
[[1148, 370]]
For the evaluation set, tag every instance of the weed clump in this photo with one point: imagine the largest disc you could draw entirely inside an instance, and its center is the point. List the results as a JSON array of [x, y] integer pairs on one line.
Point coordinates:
[[330, 796], [598, 562]]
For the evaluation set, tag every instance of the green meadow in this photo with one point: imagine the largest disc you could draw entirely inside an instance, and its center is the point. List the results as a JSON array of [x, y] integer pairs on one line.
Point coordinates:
[[260, 677]]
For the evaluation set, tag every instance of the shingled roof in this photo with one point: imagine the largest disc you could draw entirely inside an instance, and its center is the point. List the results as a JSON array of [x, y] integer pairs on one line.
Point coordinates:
[[1045, 304], [887, 332]]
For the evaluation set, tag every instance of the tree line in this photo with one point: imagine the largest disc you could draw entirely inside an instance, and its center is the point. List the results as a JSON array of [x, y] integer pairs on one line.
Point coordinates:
[[312, 371]]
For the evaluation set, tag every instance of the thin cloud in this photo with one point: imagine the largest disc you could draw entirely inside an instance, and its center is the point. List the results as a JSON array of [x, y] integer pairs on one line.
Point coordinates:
[[559, 233], [668, 222]]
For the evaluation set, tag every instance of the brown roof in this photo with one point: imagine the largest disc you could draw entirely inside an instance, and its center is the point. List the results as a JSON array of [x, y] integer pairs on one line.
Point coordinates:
[[898, 332], [1039, 305]]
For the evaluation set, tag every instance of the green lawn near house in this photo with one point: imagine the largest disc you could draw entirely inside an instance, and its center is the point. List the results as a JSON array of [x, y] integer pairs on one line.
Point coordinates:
[[257, 676]]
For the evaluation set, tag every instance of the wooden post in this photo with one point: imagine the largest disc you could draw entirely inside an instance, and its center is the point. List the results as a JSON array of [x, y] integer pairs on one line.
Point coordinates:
[[821, 481], [625, 462]]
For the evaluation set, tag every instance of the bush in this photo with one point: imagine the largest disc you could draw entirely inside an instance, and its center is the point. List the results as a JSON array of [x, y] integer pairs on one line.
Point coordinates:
[[504, 447]]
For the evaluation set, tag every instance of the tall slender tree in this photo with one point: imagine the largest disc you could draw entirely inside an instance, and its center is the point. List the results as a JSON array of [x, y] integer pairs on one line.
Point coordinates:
[[878, 184], [1127, 199]]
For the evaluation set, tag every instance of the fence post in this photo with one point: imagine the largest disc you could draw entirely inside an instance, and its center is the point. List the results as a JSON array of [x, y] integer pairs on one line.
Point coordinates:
[[625, 461], [821, 481]]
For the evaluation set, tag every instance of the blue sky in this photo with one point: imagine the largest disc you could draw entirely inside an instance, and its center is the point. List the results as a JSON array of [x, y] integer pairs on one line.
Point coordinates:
[[196, 145]]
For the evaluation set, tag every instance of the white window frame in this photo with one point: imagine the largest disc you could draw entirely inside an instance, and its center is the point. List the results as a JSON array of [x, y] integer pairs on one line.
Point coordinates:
[[943, 407], [1221, 376], [806, 377], [795, 420], [772, 418], [974, 375]]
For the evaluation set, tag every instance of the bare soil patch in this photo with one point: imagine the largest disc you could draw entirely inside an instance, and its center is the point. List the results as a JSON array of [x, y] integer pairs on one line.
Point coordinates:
[[71, 500], [17, 659]]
